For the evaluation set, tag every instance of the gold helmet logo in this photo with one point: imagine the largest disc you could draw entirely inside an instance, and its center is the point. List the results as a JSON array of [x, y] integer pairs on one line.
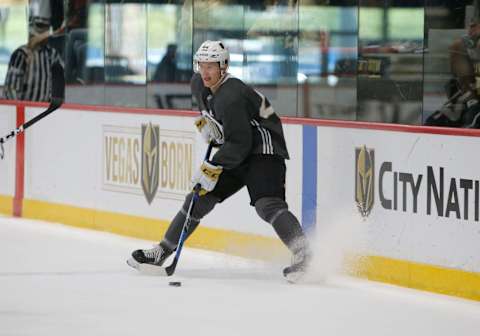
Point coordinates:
[[364, 179], [150, 160]]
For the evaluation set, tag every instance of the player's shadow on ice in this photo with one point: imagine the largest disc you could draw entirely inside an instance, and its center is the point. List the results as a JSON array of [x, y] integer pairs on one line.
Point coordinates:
[[268, 275], [229, 273]]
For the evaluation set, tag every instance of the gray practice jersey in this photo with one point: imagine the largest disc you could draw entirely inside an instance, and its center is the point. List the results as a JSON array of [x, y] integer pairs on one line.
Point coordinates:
[[249, 122]]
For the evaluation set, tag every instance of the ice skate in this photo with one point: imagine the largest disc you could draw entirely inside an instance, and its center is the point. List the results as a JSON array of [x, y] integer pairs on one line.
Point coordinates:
[[150, 261], [297, 270]]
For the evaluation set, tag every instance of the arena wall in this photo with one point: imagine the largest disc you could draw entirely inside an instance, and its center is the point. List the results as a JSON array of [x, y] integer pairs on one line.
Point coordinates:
[[410, 195]]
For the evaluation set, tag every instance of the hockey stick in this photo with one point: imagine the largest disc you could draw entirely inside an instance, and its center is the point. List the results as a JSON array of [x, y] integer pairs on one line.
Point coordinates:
[[186, 225], [169, 270], [58, 94]]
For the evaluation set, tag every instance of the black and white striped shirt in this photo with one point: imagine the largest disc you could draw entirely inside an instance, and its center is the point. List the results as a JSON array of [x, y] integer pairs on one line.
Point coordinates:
[[29, 75]]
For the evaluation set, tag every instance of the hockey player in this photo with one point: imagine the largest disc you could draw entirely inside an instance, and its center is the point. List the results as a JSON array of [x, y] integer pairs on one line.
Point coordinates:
[[251, 152]]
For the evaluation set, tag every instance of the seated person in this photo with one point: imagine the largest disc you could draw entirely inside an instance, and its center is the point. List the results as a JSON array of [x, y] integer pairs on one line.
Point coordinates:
[[463, 106]]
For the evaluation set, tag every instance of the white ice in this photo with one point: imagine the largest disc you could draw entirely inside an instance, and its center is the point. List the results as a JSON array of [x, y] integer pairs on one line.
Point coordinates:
[[59, 280]]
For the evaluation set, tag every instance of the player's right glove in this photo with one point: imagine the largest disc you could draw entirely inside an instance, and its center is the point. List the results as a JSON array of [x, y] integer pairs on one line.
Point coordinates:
[[207, 176], [210, 129]]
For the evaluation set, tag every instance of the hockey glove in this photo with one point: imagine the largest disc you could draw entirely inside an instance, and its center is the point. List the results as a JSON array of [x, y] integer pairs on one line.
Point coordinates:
[[210, 129], [207, 176]]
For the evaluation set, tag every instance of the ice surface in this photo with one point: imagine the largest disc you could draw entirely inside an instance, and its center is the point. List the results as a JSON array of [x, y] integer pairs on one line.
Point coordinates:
[[58, 280]]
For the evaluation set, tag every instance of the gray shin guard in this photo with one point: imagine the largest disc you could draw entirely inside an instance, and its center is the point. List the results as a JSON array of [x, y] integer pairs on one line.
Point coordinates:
[[202, 207], [275, 211]]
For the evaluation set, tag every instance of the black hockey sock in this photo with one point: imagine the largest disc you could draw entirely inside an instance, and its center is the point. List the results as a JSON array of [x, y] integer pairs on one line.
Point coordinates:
[[290, 231]]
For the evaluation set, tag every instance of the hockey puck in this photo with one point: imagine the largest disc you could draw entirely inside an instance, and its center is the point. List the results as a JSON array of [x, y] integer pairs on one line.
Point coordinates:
[[175, 283]]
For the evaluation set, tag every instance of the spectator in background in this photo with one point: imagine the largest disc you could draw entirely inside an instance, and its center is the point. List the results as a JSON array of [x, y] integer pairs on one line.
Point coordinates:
[[166, 70], [29, 75], [76, 41], [463, 91]]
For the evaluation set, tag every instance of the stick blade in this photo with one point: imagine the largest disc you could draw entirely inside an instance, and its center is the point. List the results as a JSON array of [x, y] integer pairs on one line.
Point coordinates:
[[147, 269]]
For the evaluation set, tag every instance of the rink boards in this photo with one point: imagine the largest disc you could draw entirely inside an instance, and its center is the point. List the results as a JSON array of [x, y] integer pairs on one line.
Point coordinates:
[[409, 195], [8, 118]]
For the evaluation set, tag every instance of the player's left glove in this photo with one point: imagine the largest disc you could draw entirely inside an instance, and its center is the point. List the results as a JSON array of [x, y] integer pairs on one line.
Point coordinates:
[[207, 176]]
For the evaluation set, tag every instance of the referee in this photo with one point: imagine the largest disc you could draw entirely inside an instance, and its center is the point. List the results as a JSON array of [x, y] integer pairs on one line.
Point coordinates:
[[29, 74]]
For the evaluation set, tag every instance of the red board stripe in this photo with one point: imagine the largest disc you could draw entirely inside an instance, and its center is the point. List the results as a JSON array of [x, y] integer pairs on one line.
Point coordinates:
[[376, 126], [19, 164]]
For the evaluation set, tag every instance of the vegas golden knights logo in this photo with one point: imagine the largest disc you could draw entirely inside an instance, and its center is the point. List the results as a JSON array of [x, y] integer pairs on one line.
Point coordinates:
[[364, 179], [150, 160]]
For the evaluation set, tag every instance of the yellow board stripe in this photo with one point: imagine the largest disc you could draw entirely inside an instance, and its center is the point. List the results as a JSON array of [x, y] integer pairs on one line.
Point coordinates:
[[398, 272], [6, 205], [236, 243], [420, 276]]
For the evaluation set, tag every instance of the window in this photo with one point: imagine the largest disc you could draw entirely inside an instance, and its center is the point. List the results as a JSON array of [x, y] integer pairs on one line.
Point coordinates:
[[368, 60]]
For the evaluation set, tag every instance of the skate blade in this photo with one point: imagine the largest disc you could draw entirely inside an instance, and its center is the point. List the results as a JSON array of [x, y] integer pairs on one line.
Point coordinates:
[[147, 268]]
